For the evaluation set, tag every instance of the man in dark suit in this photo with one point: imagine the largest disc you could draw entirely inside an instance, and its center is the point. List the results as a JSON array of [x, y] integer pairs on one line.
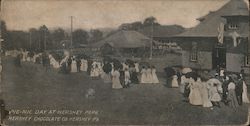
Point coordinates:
[[239, 89], [78, 64], [225, 82], [68, 68]]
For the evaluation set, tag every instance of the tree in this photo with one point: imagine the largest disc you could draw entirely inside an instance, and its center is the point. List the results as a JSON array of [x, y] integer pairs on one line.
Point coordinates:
[[124, 26], [131, 26], [57, 37], [80, 36], [18, 39], [34, 38], [150, 21], [5, 44], [96, 35], [136, 25], [45, 39]]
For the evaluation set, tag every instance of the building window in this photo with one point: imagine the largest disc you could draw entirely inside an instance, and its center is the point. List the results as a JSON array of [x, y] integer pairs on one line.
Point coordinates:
[[194, 52], [233, 26], [247, 60]]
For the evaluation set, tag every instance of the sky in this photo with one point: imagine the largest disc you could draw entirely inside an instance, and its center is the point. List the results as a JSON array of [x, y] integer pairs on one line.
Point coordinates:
[[92, 14]]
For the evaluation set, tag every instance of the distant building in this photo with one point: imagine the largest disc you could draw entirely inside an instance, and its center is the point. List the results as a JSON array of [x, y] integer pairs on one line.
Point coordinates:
[[124, 42], [162, 33]]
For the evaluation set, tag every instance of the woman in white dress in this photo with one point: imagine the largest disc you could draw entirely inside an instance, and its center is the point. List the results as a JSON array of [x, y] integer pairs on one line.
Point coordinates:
[[175, 81], [92, 74], [231, 94], [127, 77], [204, 94], [23, 56], [155, 79], [137, 70], [96, 71], [54, 63], [244, 94], [195, 94], [149, 76], [34, 57], [84, 65], [116, 84], [184, 81], [99, 68], [143, 75], [113, 68], [73, 66], [214, 95], [124, 66], [28, 56]]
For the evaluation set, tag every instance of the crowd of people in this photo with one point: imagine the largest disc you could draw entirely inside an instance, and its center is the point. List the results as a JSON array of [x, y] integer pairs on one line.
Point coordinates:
[[120, 74], [221, 87]]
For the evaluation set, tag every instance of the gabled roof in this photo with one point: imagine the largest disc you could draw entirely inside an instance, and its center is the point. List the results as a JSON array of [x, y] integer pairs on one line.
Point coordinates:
[[162, 30], [209, 23], [124, 39], [236, 8]]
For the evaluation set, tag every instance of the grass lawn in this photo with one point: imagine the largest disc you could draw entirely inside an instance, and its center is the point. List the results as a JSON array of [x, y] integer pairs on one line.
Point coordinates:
[[31, 87]]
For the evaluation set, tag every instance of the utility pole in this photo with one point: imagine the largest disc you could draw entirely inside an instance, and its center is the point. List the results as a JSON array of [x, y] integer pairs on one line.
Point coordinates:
[[151, 43], [71, 30], [39, 43], [45, 39], [30, 40]]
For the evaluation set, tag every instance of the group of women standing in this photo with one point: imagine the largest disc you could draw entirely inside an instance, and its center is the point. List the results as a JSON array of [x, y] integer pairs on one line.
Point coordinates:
[[73, 64], [148, 75], [122, 75], [214, 91]]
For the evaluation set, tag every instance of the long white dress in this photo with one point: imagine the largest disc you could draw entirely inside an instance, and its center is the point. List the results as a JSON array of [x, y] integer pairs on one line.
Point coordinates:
[[244, 94], [24, 56], [93, 70], [137, 68], [28, 58], [115, 80], [127, 77], [124, 66], [155, 79], [214, 94], [195, 94], [73, 67], [96, 72], [143, 76], [183, 83], [84, 65], [204, 95], [54, 63], [99, 68], [34, 58], [175, 81], [149, 76], [113, 68]]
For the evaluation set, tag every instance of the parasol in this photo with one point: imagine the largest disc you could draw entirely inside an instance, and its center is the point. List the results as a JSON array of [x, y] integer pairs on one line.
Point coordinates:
[[186, 70]]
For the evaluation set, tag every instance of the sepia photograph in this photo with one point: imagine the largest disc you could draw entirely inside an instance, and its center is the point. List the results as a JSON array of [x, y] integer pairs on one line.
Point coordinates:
[[124, 62]]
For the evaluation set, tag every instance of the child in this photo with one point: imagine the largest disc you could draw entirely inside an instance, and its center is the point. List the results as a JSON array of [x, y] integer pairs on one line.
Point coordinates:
[[175, 82], [214, 95]]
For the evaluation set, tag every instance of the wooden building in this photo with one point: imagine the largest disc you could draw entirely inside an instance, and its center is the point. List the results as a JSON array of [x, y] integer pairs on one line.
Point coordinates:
[[220, 39]]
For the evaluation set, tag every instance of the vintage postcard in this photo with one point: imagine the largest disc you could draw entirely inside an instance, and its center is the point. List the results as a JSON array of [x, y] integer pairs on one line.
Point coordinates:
[[124, 62]]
